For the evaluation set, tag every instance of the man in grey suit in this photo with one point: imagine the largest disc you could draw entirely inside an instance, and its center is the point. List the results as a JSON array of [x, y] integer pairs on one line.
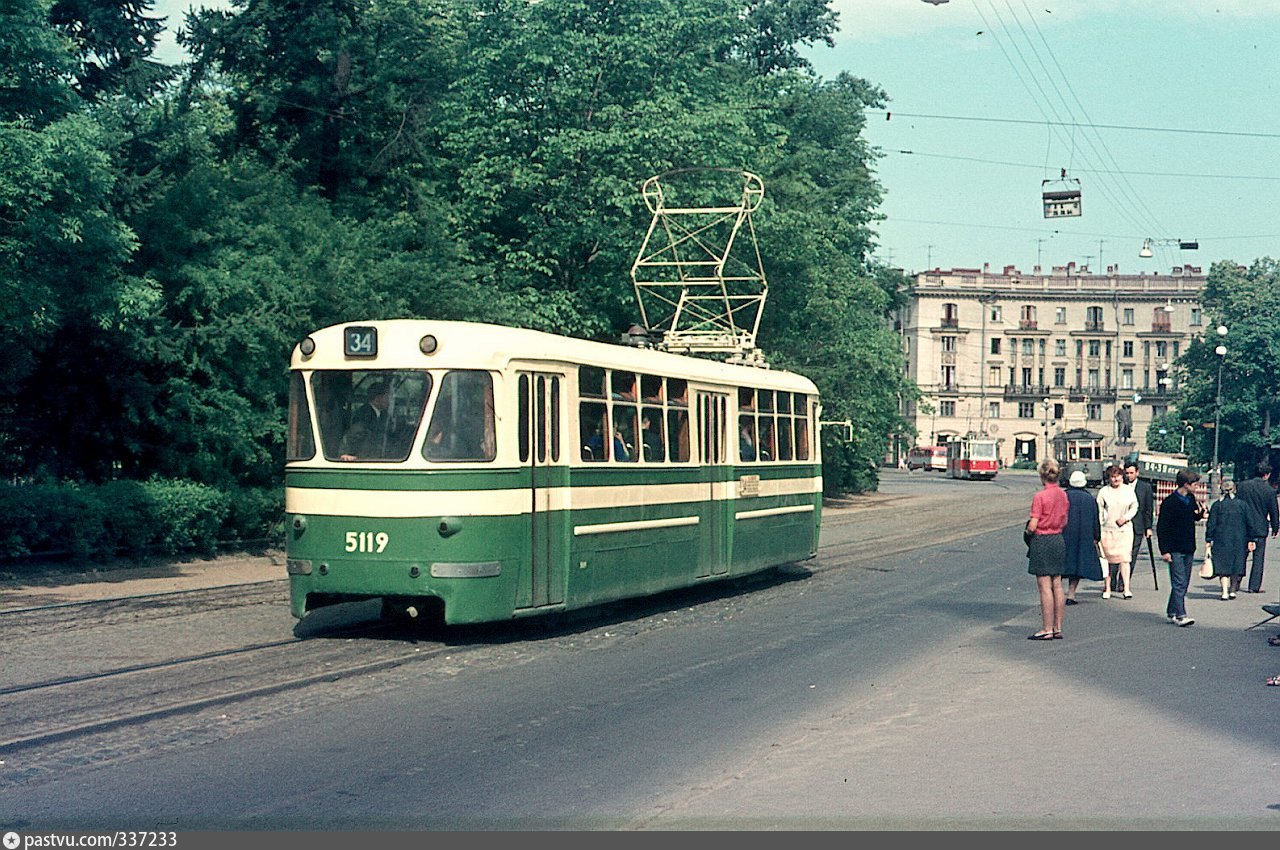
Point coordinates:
[[1142, 524], [1258, 493]]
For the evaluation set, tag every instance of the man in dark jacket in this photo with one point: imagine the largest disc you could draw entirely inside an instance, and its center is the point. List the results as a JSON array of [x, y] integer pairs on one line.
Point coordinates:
[[1258, 493], [1142, 527], [1176, 534]]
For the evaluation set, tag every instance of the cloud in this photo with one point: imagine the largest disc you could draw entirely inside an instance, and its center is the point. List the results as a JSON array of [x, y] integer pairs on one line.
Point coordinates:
[[875, 20]]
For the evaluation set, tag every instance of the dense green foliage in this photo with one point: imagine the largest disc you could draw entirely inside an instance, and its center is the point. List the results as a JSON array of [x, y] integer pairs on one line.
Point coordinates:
[[1245, 300], [168, 234]]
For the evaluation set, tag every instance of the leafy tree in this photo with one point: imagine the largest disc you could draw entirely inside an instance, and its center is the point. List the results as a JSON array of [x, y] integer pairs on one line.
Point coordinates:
[[113, 41], [344, 91], [1246, 300]]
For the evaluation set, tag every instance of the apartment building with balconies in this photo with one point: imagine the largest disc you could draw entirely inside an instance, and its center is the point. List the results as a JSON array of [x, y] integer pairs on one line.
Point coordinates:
[[1026, 357]]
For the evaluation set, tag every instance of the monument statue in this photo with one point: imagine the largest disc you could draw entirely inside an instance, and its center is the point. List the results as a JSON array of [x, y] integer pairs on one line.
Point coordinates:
[[1124, 423]]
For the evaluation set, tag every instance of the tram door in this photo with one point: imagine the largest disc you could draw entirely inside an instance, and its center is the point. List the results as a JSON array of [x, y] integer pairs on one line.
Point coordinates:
[[712, 412], [541, 447]]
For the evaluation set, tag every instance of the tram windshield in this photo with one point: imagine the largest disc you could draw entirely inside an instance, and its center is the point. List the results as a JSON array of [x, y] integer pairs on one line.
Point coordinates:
[[462, 422], [982, 451], [368, 415]]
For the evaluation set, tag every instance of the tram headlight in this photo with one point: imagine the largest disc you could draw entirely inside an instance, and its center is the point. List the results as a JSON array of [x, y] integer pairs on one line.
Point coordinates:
[[428, 344], [307, 347]]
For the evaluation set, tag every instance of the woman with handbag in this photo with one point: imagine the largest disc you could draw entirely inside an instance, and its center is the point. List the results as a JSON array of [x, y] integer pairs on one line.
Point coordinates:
[[1229, 535], [1117, 506], [1046, 550]]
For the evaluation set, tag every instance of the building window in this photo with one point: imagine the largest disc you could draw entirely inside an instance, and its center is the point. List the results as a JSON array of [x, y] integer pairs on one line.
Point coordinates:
[[1128, 316], [1079, 347], [950, 316], [1061, 317], [1126, 379], [1095, 347], [996, 312], [948, 377], [1093, 379], [1175, 349], [949, 343], [1195, 316], [1057, 411], [1158, 410], [1026, 410], [1060, 347], [1028, 347], [995, 345], [1026, 376], [993, 376], [947, 408], [1059, 376], [1162, 349], [1127, 348], [1042, 344], [993, 410], [1027, 317], [1093, 319], [1093, 410]]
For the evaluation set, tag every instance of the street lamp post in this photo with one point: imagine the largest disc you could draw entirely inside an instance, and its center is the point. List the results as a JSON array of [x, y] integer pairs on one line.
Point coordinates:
[[1215, 471], [1048, 447]]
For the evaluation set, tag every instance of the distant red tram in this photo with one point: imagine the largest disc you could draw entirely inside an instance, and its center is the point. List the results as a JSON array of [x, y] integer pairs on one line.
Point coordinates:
[[972, 458]]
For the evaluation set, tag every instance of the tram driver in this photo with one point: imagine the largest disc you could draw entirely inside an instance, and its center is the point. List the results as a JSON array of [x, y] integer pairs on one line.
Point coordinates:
[[366, 436]]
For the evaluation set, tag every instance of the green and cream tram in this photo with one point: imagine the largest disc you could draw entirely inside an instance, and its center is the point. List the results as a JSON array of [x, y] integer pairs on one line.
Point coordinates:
[[475, 473]]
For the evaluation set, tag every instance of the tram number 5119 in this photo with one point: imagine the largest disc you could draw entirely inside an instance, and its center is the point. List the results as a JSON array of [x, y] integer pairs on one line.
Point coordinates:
[[367, 541]]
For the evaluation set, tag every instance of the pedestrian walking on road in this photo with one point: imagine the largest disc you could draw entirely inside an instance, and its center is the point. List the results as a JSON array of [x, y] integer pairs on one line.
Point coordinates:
[[1117, 506], [1142, 520], [1080, 536], [1176, 536], [1257, 491], [1046, 550], [1230, 534]]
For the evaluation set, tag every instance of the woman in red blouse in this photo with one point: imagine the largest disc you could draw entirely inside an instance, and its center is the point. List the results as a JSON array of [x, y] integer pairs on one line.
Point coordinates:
[[1046, 550]]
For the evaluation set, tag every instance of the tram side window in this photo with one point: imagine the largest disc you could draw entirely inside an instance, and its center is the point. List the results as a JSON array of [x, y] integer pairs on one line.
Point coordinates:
[[623, 385], [767, 445], [624, 425], [301, 444], [785, 427], [678, 420], [802, 426], [678, 432], [746, 437], [651, 437], [462, 427], [369, 415], [591, 382], [593, 420], [651, 388]]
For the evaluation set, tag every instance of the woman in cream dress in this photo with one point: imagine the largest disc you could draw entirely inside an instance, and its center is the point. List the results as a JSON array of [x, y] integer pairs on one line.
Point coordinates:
[[1117, 506]]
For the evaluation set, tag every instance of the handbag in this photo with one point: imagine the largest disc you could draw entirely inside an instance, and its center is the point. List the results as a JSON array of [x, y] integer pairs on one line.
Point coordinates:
[[1206, 567]]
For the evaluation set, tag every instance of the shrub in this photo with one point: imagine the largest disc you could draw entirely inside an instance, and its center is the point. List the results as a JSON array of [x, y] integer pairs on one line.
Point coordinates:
[[188, 516]]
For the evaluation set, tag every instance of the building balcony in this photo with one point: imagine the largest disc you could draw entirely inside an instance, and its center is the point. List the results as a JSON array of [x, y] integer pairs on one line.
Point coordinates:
[[949, 323], [1161, 327], [1028, 324], [1025, 391], [1091, 393], [1095, 326]]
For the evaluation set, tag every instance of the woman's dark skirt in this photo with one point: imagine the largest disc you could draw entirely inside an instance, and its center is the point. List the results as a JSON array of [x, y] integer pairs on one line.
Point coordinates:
[[1045, 555]]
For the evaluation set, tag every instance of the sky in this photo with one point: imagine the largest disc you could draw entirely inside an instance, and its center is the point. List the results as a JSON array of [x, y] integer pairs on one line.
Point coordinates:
[[1167, 113]]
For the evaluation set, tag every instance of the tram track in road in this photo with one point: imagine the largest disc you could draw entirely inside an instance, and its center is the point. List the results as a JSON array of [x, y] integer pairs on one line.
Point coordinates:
[[108, 700]]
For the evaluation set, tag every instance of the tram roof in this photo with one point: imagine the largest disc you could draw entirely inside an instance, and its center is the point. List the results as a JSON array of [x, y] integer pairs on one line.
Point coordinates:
[[471, 345]]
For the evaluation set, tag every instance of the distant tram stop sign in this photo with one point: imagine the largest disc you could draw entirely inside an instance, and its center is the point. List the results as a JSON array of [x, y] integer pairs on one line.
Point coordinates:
[[1062, 198]]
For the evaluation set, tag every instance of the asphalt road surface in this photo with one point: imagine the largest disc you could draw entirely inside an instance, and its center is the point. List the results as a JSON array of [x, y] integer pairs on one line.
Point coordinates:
[[885, 685]]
